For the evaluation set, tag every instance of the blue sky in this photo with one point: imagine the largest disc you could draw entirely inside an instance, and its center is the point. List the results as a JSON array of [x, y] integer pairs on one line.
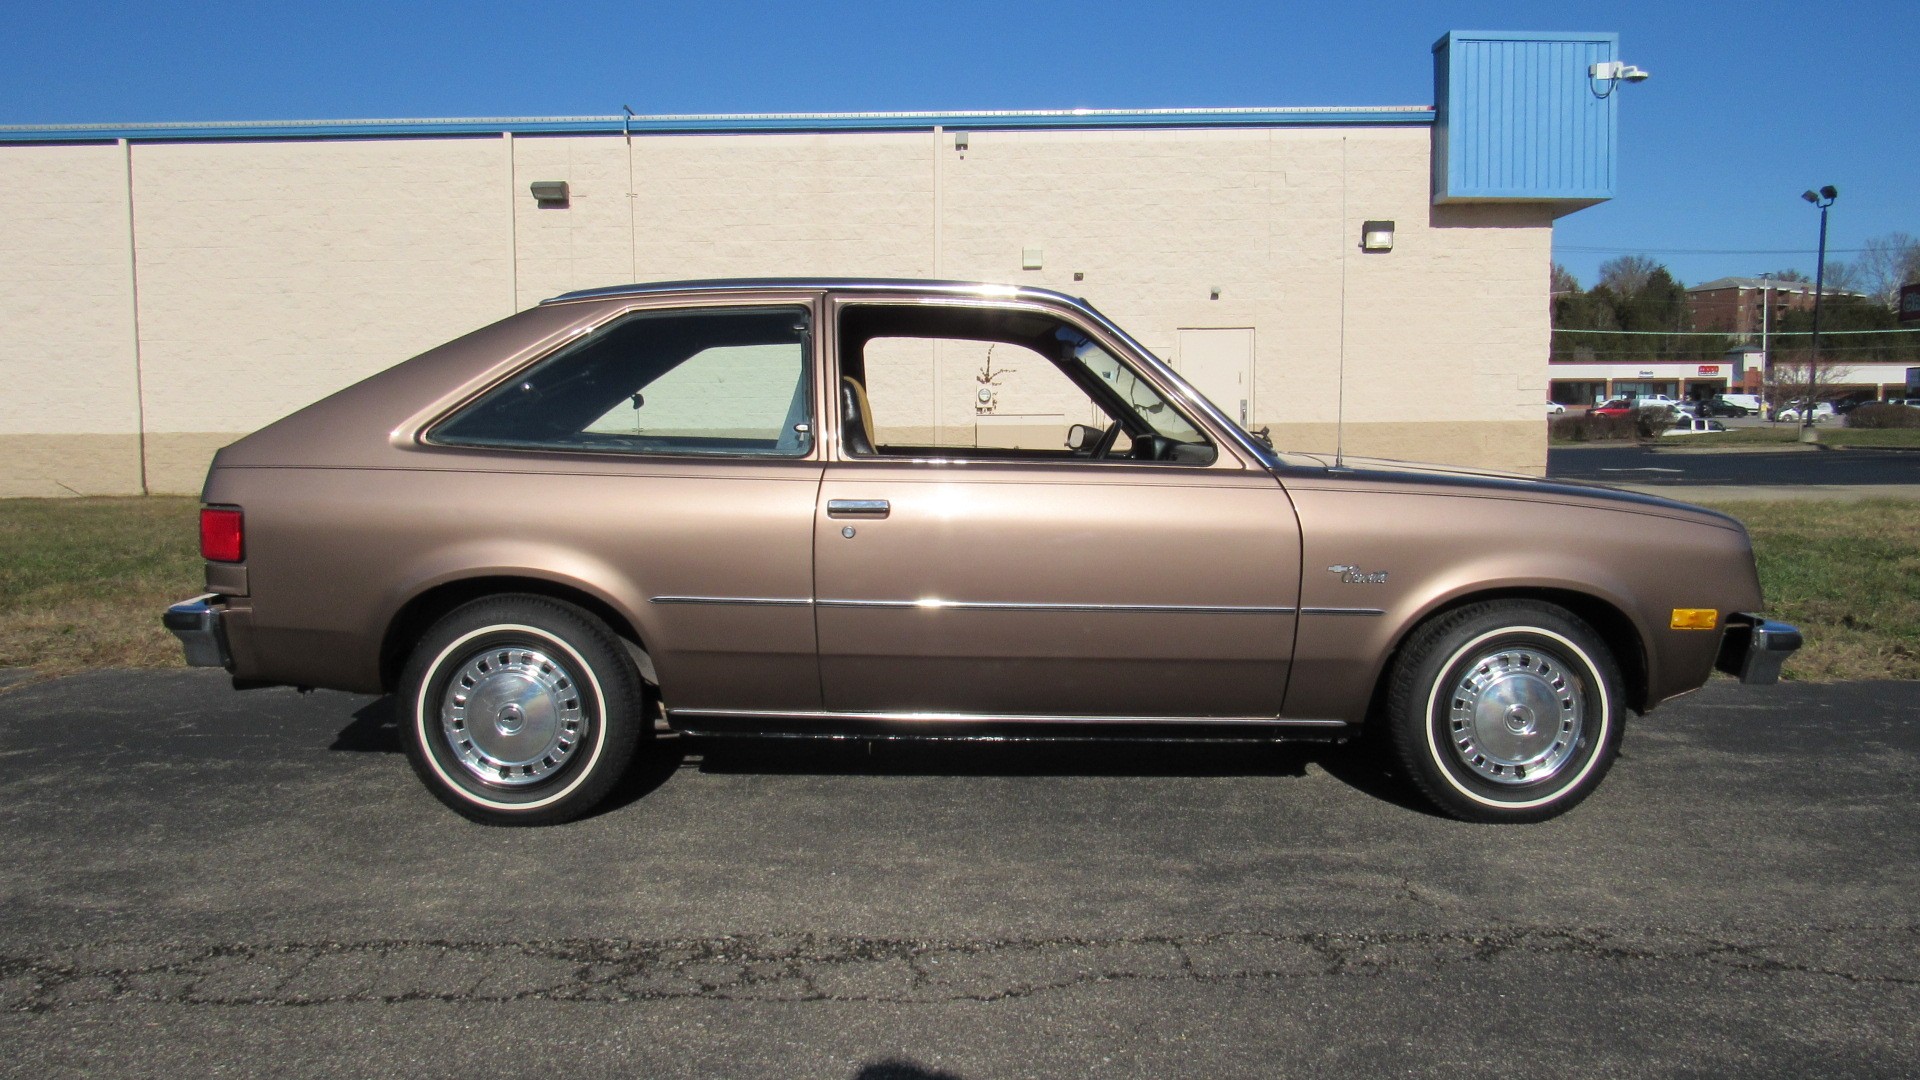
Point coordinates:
[[1750, 103]]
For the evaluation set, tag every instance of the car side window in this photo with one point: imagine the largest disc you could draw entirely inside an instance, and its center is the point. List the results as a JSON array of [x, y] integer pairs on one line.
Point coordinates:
[[705, 381], [999, 383]]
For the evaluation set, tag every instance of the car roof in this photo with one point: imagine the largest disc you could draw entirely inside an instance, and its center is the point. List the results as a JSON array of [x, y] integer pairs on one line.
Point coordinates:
[[879, 285]]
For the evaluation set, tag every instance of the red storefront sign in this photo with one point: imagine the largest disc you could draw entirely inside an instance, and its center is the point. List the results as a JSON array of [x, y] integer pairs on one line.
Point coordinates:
[[1709, 369]]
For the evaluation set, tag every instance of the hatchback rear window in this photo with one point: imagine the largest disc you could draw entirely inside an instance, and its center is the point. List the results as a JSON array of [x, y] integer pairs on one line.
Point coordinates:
[[704, 381]]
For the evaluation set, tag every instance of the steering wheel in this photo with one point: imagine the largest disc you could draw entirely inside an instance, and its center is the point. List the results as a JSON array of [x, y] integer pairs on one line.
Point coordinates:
[[1107, 439]]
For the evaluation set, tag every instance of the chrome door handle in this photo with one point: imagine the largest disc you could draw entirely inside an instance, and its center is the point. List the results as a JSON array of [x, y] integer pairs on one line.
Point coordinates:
[[860, 508]]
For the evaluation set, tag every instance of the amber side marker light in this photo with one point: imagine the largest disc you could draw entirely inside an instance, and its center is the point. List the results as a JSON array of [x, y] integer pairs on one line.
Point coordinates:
[[222, 535], [1690, 618]]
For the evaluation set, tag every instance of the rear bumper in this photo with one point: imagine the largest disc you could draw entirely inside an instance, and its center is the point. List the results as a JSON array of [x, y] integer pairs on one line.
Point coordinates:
[[198, 623], [1754, 648]]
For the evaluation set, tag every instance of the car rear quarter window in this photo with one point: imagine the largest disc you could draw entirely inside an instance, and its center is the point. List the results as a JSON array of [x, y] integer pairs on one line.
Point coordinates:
[[708, 381]]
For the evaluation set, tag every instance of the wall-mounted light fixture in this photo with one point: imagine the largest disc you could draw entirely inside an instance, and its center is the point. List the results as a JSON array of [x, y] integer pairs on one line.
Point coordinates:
[[1605, 76], [1031, 258], [550, 193], [960, 141], [1376, 236]]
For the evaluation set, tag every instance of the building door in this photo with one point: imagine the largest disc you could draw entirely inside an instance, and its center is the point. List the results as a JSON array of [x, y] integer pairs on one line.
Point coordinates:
[[1219, 364]]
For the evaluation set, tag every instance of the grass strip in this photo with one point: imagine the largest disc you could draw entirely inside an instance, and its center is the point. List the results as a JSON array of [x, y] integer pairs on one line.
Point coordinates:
[[83, 582], [1848, 575], [1871, 437]]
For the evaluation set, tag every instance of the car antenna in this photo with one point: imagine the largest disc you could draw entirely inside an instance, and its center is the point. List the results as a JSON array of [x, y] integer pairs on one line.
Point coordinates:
[[633, 242], [1340, 388]]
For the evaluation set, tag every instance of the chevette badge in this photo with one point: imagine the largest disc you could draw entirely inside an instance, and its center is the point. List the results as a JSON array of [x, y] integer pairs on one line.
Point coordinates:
[[1353, 575]]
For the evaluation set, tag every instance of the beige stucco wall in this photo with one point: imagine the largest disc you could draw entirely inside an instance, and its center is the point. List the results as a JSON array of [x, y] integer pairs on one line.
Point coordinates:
[[69, 414], [272, 272], [1444, 335]]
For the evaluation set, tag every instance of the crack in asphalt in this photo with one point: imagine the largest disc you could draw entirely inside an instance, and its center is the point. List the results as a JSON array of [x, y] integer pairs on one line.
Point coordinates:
[[809, 968]]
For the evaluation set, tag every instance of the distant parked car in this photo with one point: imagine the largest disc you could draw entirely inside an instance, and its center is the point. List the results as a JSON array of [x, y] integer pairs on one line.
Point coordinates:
[[1554, 408], [1793, 412], [1749, 402], [1693, 425], [1613, 407], [1718, 406]]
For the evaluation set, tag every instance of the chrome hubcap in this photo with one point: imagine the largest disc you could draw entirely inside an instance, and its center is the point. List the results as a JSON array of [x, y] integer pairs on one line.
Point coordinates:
[[512, 716], [1515, 715]]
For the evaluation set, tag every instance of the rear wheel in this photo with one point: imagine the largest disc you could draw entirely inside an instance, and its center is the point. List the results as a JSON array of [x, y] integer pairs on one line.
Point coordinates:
[[1506, 712], [521, 710]]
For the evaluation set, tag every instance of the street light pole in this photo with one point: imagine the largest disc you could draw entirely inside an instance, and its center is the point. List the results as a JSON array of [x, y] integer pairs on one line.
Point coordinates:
[[1822, 199], [1766, 355]]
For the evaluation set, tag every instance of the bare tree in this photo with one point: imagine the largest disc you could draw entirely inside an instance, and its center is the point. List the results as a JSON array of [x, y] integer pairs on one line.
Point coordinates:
[[1791, 275], [1795, 380], [1562, 286], [1886, 263], [1627, 274], [1844, 277]]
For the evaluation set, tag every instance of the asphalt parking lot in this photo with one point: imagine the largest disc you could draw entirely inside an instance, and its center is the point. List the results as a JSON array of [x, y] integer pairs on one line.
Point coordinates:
[[199, 881]]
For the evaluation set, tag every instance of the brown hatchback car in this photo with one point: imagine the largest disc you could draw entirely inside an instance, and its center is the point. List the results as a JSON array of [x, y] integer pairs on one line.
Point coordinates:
[[798, 507]]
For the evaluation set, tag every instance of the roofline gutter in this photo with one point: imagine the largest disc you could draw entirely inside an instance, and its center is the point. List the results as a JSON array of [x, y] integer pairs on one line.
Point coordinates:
[[765, 123]]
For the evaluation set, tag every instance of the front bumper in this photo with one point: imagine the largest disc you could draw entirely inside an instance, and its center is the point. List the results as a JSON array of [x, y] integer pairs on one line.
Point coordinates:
[[1754, 648], [197, 623]]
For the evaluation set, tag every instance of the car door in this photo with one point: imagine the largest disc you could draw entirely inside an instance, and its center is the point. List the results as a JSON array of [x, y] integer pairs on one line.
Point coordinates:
[[1036, 583]]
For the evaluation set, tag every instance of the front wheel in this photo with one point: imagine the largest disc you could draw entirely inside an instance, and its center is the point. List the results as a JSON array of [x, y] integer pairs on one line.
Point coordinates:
[[1505, 712], [521, 710]]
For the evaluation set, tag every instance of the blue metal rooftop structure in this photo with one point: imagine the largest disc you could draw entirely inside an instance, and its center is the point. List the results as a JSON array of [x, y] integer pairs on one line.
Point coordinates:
[[1517, 118]]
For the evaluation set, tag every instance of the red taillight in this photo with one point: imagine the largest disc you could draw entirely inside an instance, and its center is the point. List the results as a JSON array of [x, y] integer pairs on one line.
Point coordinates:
[[221, 535]]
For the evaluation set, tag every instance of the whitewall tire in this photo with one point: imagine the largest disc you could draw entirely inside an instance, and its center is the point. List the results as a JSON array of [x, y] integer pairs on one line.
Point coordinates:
[[1508, 711], [521, 710]]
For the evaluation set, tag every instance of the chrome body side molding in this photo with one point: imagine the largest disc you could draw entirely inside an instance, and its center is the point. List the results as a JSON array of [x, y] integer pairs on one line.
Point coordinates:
[[934, 604], [937, 718], [748, 601]]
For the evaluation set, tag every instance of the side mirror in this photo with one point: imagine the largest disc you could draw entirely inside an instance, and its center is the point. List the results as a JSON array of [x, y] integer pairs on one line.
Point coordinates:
[[1083, 437]]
